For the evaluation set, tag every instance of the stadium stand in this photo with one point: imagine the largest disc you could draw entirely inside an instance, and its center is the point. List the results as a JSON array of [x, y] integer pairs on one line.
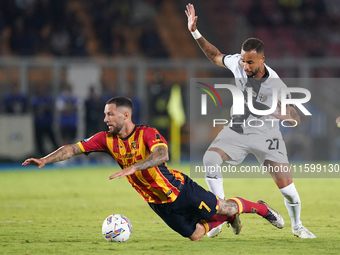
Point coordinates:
[[306, 28], [133, 41]]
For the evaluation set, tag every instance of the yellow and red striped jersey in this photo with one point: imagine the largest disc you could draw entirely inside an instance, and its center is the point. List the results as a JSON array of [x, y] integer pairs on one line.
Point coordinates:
[[157, 184]]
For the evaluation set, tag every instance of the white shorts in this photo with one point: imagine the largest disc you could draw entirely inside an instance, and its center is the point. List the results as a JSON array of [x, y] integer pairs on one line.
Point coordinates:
[[238, 146]]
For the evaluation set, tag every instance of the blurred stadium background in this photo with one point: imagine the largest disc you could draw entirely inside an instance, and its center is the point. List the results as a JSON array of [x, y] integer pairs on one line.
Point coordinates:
[[62, 60]]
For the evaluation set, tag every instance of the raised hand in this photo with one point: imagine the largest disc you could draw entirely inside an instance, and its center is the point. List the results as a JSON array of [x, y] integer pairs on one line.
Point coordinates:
[[192, 19]]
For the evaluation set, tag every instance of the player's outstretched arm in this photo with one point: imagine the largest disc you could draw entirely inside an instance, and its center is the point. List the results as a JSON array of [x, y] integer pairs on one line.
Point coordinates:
[[212, 53], [158, 156], [63, 153]]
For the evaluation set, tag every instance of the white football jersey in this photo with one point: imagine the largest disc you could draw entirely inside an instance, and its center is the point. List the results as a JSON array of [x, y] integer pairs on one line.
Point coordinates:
[[262, 95]]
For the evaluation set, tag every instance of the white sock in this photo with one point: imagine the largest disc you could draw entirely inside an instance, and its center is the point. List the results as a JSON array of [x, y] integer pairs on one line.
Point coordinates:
[[293, 203], [213, 179]]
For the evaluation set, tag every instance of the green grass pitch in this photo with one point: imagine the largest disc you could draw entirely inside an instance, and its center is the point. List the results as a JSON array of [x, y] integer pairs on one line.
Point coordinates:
[[60, 211]]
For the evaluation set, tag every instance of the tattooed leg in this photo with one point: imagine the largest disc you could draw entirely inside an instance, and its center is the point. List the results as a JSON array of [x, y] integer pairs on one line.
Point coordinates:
[[227, 207]]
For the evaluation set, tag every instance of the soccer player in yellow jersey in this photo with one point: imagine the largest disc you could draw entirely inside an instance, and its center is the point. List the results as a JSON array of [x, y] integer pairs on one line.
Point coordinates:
[[142, 153]]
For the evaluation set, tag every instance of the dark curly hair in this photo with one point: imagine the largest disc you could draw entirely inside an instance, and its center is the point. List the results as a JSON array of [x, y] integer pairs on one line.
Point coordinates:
[[121, 102], [253, 44]]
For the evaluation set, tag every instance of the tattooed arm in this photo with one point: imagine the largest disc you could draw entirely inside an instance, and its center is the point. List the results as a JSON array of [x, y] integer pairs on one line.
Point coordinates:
[[212, 53], [227, 207], [157, 157], [292, 117], [63, 153]]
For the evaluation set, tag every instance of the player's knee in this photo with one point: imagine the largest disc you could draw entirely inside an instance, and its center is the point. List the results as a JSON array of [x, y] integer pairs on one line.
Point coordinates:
[[197, 235], [212, 161], [199, 232], [212, 158], [284, 182], [195, 238]]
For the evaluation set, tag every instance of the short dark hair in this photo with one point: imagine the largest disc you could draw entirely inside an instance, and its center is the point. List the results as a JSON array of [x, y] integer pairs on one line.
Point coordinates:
[[121, 102], [253, 44]]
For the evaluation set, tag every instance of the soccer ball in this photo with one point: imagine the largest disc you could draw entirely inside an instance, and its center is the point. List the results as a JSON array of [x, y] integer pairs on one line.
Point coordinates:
[[116, 228]]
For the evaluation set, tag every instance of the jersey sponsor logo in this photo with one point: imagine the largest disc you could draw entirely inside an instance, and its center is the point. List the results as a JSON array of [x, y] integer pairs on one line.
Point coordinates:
[[262, 97], [126, 165], [134, 145], [128, 155]]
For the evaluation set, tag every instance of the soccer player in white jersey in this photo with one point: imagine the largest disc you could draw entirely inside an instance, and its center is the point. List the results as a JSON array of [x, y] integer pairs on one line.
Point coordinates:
[[234, 143]]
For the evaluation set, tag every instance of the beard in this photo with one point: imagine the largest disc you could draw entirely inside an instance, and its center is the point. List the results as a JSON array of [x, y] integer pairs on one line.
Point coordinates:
[[253, 73], [116, 129]]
